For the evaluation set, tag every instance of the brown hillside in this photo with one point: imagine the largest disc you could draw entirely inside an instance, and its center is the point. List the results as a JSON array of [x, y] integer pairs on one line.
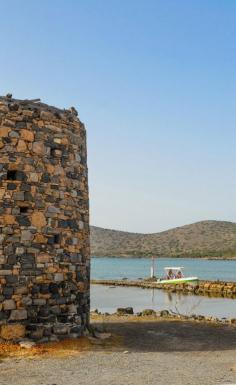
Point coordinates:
[[201, 239]]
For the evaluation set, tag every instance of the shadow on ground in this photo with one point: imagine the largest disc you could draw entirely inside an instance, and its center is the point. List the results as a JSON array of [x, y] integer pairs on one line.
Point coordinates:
[[172, 336]]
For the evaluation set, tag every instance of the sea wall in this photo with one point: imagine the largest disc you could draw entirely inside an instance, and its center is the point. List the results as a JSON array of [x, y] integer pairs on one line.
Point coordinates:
[[44, 222], [209, 288]]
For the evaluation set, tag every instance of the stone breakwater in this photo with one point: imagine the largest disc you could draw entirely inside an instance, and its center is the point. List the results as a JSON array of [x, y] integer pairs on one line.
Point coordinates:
[[208, 288], [44, 222]]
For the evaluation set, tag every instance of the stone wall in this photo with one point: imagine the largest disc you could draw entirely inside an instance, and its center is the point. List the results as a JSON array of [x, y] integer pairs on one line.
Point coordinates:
[[44, 222]]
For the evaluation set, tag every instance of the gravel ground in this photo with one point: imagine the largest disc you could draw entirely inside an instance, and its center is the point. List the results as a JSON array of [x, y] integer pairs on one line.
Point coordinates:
[[149, 353]]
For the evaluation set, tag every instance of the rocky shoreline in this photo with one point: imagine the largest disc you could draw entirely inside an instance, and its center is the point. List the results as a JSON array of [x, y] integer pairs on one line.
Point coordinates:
[[205, 288], [161, 315]]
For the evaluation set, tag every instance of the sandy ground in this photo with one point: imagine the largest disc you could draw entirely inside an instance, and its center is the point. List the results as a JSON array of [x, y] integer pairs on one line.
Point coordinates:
[[139, 353]]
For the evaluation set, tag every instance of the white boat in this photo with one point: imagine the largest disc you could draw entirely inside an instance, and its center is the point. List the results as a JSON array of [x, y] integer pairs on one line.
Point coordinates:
[[174, 275]]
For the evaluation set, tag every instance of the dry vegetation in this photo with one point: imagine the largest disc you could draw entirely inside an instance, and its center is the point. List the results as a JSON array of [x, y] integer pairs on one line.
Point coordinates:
[[201, 239], [53, 349], [60, 349]]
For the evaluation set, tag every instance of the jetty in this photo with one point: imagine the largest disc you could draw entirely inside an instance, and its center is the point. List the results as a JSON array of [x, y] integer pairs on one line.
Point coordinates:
[[205, 288]]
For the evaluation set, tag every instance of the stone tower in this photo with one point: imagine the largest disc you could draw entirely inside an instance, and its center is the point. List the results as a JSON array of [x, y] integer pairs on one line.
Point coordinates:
[[44, 222]]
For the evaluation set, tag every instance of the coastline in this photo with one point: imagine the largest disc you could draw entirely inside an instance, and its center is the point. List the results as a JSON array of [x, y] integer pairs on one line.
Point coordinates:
[[150, 315], [204, 288], [139, 256]]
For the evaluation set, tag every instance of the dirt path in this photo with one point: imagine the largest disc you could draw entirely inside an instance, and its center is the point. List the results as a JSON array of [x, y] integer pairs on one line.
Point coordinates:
[[140, 353]]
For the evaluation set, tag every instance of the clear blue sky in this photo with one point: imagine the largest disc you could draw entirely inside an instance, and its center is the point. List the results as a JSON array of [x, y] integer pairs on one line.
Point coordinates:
[[154, 82]]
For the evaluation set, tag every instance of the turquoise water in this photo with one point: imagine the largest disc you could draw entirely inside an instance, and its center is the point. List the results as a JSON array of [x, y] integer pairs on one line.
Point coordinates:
[[108, 299], [134, 268]]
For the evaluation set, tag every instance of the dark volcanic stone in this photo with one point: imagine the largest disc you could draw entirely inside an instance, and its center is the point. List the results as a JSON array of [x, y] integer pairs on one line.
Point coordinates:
[[25, 187], [8, 292], [45, 178], [16, 175], [21, 125], [61, 301], [6, 266], [53, 288], [63, 223], [51, 241], [76, 329], [11, 279], [72, 175], [49, 319], [39, 204], [11, 186], [44, 311], [50, 199], [79, 276], [73, 224], [35, 290], [3, 315], [27, 258], [23, 220], [11, 259], [28, 196], [44, 288], [62, 318], [28, 265]]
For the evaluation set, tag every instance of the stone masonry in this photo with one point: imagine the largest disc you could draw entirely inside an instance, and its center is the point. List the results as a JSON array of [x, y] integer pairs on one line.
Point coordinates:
[[44, 222]]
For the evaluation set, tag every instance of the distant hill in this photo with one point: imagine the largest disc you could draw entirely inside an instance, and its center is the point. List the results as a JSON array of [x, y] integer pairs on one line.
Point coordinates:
[[202, 239]]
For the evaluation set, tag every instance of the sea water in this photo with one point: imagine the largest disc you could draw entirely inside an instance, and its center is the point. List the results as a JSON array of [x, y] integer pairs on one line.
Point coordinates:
[[109, 298], [134, 268]]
